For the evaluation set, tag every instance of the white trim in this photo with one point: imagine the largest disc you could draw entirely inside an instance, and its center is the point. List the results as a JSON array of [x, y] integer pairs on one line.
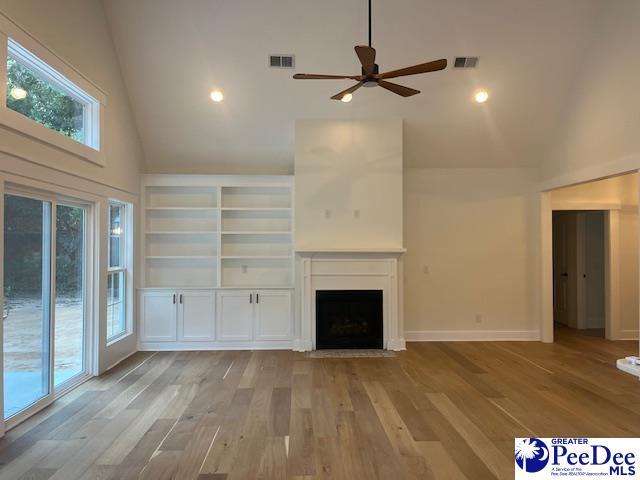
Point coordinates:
[[12, 29], [628, 334], [472, 335], [226, 345], [17, 43], [115, 364], [127, 255]]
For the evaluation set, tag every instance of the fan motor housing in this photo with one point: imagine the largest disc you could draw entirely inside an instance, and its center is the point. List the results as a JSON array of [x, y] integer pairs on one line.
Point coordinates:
[[371, 82]]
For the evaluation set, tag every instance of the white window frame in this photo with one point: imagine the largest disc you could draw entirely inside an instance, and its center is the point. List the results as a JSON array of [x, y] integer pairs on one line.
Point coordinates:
[[18, 44], [126, 268], [31, 189]]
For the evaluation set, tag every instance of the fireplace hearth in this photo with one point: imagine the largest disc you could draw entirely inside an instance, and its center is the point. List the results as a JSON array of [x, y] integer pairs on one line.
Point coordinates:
[[349, 319]]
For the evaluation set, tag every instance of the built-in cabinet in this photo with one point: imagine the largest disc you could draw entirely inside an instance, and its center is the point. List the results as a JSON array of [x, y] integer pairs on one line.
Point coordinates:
[[254, 315], [217, 262]]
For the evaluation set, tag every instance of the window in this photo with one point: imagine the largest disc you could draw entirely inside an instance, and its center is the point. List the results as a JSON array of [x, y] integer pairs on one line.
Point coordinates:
[[39, 92], [119, 246]]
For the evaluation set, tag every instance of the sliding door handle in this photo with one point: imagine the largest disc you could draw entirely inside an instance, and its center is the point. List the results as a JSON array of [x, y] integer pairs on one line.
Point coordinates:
[[174, 298], [251, 298], [180, 299], [257, 298]]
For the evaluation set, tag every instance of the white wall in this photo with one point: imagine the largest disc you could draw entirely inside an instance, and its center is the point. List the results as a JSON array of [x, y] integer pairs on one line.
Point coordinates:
[[77, 31], [348, 180], [600, 134], [471, 228]]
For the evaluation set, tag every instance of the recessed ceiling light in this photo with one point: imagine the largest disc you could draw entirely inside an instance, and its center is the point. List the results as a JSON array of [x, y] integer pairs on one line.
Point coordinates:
[[346, 98], [481, 96], [216, 95], [18, 93]]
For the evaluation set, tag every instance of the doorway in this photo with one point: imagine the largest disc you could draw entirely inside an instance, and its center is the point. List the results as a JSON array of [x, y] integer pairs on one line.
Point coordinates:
[[46, 305], [579, 271]]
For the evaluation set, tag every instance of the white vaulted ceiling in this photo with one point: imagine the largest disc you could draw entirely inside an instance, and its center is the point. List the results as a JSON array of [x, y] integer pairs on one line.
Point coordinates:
[[173, 52]]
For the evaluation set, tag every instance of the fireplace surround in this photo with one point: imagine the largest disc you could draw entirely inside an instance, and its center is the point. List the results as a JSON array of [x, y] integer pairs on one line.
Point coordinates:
[[349, 270]]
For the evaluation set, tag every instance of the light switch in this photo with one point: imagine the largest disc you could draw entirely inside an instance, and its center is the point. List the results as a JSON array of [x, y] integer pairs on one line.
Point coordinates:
[[327, 214], [356, 214]]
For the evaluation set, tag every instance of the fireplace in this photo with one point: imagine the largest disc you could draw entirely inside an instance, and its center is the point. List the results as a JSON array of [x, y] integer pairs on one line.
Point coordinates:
[[349, 319]]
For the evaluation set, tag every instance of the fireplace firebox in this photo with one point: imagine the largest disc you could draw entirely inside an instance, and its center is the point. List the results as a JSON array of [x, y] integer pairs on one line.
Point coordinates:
[[349, 319]]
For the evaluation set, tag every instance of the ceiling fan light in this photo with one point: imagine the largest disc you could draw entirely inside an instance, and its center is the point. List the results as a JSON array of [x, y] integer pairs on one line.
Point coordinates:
[[481, 96], [216, 95], [346, 98]]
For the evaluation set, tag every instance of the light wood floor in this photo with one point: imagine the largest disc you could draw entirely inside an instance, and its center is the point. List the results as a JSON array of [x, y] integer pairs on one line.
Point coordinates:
[[438, 410]]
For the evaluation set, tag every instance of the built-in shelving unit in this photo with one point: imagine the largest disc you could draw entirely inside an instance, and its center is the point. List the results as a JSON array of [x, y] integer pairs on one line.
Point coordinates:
[[217, 231]]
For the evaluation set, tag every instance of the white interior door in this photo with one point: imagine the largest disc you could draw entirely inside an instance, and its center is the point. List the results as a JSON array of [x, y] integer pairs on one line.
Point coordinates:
[[196, 319], [234, 319], [273, 315], [158, 312]]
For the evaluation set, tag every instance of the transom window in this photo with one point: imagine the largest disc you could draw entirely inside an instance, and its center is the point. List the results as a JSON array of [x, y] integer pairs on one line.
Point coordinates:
[[37, 91]]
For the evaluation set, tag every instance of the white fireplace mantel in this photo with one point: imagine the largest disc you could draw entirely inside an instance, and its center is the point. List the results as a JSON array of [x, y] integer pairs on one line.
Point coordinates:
[[351, 269]]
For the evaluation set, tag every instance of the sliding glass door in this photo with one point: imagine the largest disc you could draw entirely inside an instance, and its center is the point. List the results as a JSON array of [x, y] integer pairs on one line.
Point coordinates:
[[45, 298], [69, 342], [27, 300]]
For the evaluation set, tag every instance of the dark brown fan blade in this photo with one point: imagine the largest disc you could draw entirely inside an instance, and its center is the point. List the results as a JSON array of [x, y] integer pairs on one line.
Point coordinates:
[[367, 56], [399, 89], [422, 68], [338, 96], [317, 76]]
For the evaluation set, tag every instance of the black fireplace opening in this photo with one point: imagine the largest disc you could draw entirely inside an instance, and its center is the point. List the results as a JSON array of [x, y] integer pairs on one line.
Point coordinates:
[[349, 319]]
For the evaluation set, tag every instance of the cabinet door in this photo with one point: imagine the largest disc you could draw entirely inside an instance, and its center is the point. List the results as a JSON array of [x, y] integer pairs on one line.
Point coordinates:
[[273, 315], [196, 319], [158, 316], [234, 318]]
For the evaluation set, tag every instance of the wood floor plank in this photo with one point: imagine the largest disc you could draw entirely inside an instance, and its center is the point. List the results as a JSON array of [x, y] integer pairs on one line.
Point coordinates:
[[437, 411]]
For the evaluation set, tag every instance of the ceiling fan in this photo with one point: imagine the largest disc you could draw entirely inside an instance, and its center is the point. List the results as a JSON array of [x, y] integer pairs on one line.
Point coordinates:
[[370, 72]]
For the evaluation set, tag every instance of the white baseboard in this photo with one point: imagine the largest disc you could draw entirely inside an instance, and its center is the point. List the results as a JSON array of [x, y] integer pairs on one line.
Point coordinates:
[[195, 346], [472, 335], [302, 346], [397, 344], [628, 335]]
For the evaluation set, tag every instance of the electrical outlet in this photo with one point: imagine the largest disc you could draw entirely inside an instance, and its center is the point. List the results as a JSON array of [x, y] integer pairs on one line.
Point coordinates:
[[327, 214], [356, 214], [425, 269], [478, 318], [244, 268]]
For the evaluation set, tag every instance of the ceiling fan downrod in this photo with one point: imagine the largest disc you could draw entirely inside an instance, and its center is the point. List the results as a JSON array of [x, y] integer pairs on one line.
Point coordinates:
[[369, 22]]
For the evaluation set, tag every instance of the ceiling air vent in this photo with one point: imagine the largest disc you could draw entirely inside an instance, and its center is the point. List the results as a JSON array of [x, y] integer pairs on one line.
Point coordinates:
[[465, 62], [282, 61]]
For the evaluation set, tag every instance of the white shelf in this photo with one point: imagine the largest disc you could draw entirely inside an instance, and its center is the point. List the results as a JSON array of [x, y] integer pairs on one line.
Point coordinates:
[[256, 209], [257, 233], [183, 232], [256, 257], [181, 257], [170, 209], [210, 231]]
